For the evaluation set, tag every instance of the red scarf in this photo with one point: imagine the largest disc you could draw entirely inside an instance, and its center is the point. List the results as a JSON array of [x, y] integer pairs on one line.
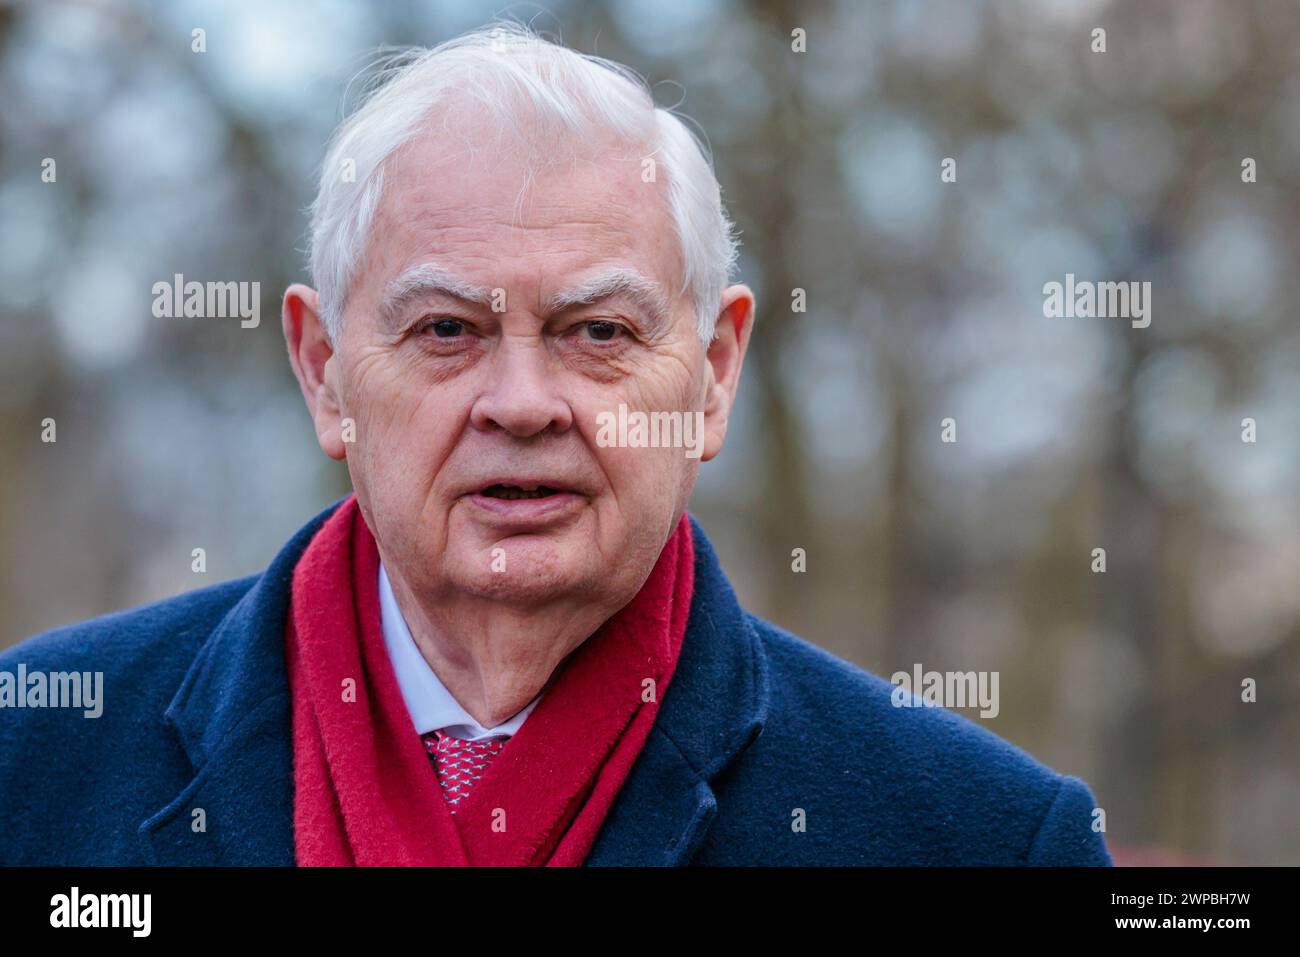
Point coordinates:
[[364, 790]]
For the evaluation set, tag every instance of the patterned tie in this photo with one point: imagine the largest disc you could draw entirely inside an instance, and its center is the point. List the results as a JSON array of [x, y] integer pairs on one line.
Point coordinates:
[[460, 763]]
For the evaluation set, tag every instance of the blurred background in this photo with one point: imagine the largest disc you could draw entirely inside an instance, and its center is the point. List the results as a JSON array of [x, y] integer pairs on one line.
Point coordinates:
[[924, 301]]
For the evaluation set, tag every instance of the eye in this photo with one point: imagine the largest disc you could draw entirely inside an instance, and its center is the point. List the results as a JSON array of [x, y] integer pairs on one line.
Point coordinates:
[[443, 328], [601, 330]]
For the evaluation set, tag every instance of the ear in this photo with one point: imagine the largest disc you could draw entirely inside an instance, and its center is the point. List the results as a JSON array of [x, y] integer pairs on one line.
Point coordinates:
[[312, 356], [726, 355]]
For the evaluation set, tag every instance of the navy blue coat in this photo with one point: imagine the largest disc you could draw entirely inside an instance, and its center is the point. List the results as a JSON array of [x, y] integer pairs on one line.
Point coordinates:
[[756, 725]]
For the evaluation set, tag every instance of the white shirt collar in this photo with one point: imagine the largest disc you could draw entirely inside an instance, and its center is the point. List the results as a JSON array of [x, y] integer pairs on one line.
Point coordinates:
[[430, 704]]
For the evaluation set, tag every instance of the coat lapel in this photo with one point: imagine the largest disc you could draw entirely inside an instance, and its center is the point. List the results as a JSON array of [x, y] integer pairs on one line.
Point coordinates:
[[713, 710], [232, 716]]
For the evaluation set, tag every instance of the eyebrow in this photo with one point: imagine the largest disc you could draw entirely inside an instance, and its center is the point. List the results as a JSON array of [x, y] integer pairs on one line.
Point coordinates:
[[617, 282], [429, 279]]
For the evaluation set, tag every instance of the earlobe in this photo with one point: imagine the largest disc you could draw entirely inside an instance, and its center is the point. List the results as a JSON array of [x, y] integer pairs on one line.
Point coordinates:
[[329, 415], [725, 357], [715, 411], [312, 357]]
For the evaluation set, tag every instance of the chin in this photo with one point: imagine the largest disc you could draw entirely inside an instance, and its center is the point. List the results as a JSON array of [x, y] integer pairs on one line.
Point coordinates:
[[519, 588], [523, 569]]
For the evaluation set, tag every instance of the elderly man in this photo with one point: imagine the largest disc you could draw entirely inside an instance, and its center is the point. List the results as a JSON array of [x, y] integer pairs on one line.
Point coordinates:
[[512, 645]]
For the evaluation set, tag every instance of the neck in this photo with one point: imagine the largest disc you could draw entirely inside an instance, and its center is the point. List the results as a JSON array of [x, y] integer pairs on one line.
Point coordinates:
[[494, 659]]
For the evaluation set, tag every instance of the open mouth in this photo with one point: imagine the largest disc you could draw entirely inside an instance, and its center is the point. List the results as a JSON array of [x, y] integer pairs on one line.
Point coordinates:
[[511, 492]]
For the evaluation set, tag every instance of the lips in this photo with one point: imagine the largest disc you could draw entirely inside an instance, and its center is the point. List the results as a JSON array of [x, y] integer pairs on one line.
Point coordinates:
[[512, 485], [511, 492], [525, 504]]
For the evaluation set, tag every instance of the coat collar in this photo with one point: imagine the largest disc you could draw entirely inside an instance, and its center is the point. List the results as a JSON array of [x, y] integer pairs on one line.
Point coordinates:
[[713, 710], [232, 716]]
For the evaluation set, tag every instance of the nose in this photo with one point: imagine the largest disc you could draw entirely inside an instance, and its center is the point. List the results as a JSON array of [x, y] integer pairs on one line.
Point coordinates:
[[521, 397]]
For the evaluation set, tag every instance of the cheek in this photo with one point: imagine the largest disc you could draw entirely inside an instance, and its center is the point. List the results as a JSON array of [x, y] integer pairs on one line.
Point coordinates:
[[405, 432], [666, 382], [643, 480]]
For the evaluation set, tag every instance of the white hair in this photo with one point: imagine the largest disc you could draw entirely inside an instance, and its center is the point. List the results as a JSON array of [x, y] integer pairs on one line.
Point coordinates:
[[507, 69]]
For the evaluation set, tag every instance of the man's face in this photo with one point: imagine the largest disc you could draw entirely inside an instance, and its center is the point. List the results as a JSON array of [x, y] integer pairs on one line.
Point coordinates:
[[475, 459]]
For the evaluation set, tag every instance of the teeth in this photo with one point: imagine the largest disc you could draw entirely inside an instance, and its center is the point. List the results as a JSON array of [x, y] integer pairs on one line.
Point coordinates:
[[516, 493], [513, 492]]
